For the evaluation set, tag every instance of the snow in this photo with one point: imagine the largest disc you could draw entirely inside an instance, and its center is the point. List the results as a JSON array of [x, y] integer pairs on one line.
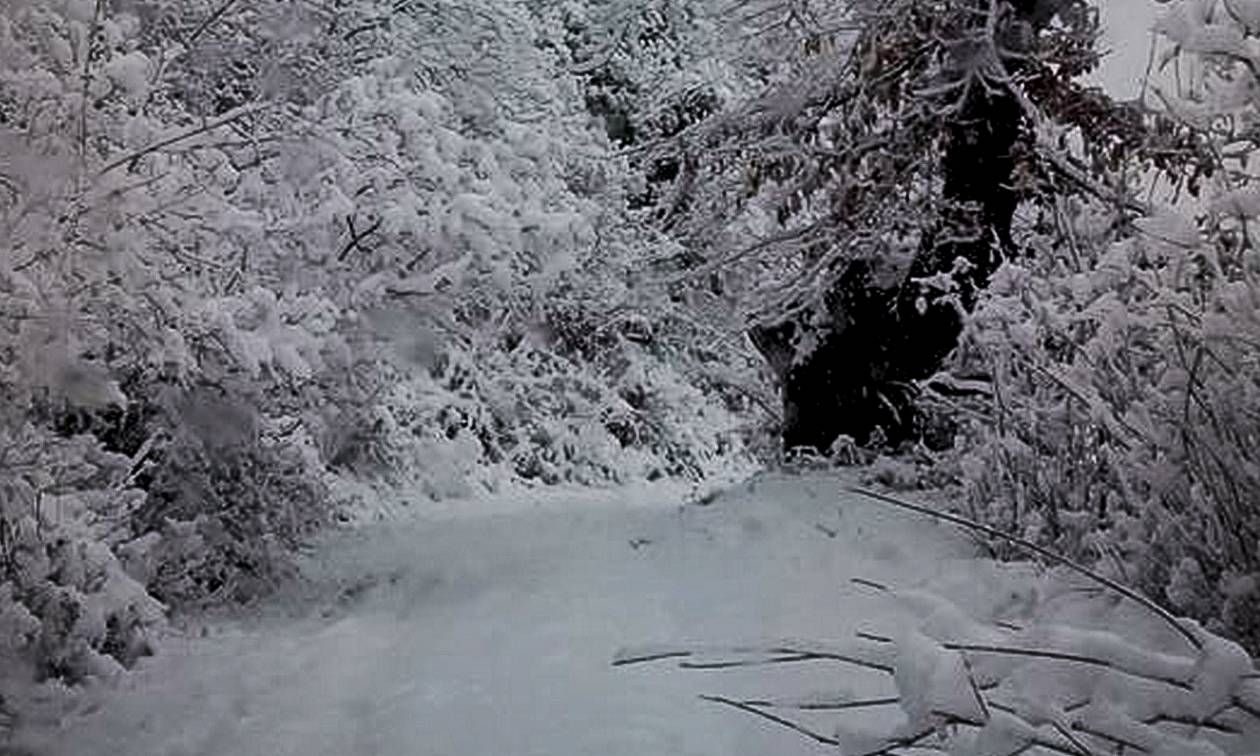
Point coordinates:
[[1247, 12], [491, 626], [1217, 39], [1219, 670], [130, 72], [934, 683], [1171, 228]]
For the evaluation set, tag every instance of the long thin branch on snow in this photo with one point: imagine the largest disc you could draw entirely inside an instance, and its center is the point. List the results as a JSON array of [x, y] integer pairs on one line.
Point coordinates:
[[1128, 593]]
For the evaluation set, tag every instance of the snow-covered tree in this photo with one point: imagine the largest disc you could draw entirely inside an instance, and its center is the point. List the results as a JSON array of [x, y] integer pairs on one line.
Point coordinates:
[[859, 203], [249, 252]]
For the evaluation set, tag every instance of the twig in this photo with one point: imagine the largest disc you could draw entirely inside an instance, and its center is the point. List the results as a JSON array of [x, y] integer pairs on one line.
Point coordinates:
[[732, 663], [1065, 656], [1244, 706], [356, 237], [1038, 653], [87, 81], [858, 703], [794, 726], [210, 19], [833, 656], [651, 657], [1206, 724], [766, 656], [211, 126]]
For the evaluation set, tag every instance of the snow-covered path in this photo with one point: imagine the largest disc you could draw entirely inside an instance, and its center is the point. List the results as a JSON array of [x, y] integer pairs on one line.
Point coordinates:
[[491, 633]]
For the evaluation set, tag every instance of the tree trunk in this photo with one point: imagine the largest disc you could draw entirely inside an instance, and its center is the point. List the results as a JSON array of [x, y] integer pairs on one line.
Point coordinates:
[[859, 380]]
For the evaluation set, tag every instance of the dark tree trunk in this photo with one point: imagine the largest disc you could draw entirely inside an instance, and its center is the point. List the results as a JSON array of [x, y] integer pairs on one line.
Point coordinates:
[[970, 240], [862, 373], [846, 384]]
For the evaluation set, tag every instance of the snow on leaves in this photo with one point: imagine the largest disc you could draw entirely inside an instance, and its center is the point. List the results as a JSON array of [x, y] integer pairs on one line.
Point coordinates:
[[1121, 359], [205, 211]]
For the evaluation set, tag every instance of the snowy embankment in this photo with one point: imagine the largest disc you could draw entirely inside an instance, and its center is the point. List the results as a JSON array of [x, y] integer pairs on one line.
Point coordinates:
[[489, 628]]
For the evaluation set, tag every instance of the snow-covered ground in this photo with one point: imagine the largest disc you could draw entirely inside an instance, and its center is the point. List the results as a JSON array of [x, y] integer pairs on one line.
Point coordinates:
[[489, 627]]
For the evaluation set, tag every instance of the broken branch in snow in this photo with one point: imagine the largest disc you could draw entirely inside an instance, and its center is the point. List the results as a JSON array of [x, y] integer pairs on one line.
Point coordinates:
[[1184, 632], [794, 726], [869, 584], [1049, 654], [822, 704], [780, 653], [1062, 689], [729, 663]]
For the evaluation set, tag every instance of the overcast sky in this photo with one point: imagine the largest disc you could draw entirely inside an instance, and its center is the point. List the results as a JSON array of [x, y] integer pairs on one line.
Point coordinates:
[[1127, 34]]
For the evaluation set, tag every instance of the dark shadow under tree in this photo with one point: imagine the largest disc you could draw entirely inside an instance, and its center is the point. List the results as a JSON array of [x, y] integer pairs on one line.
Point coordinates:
[[859, 379]]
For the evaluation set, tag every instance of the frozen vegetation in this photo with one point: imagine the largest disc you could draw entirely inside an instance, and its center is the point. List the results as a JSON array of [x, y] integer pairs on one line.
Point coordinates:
[[474, 377]]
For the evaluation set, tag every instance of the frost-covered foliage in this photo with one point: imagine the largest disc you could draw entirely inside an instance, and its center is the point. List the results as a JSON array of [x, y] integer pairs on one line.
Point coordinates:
[[1123, 355], [64, 593], [648, 69], [504, 265], [832, 153], [247, 250], [1125, 423]]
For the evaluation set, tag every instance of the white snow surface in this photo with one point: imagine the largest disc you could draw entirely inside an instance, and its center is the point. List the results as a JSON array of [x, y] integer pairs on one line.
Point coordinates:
[[489, 627]]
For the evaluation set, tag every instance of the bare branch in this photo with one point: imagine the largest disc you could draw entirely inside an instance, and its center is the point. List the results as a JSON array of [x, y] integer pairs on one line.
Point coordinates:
[[231, 117]]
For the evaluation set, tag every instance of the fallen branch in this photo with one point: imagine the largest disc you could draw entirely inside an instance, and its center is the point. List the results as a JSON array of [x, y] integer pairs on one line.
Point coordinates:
[[1158, 610], [794, 726], [820, 705]]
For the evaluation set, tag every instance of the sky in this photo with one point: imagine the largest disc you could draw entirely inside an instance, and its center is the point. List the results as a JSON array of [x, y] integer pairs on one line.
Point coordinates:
[[1126, 33]]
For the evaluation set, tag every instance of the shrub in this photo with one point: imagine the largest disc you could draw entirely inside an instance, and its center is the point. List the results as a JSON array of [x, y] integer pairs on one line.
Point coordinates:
[[1121, 357], [248, 251], [1124, 424]]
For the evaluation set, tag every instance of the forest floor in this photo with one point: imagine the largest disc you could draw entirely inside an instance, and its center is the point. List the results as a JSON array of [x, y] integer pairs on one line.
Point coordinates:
[[489, 627]]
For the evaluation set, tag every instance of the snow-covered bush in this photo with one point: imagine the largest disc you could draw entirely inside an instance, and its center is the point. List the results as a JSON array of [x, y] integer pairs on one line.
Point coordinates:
[[499, 266], [248, 248], [593, 387], [68, 606], [1125, 427], [129, 301], [1123, 363]]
